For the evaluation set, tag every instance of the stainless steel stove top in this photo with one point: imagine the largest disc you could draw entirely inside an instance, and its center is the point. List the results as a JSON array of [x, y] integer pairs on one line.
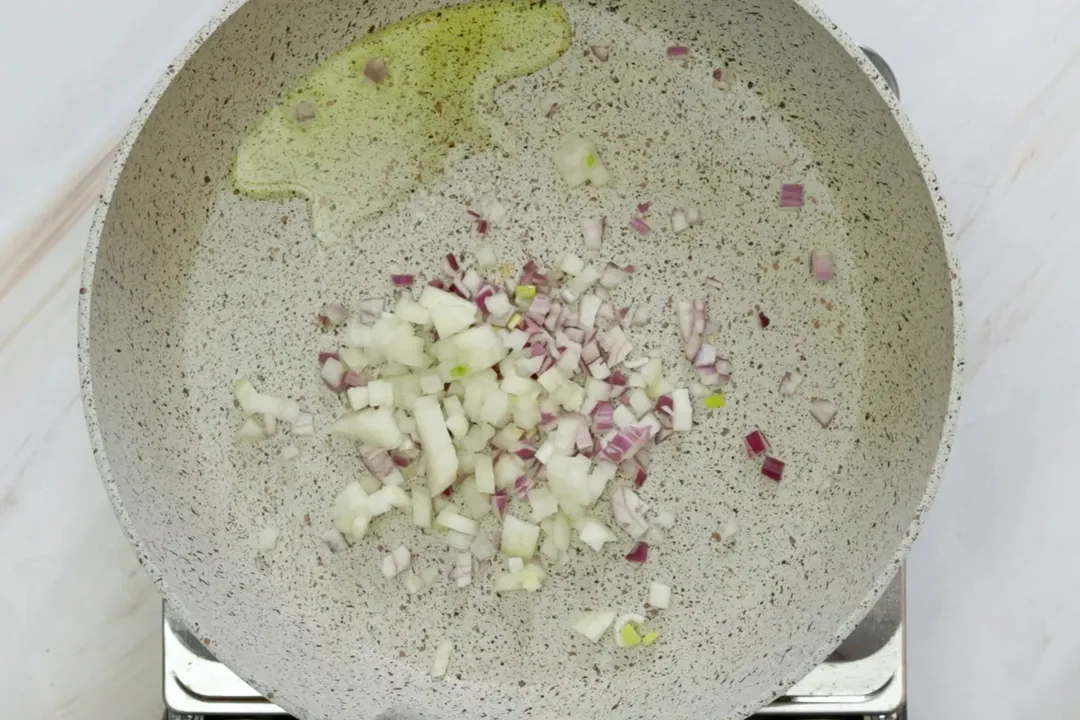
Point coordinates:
[[863, 678]]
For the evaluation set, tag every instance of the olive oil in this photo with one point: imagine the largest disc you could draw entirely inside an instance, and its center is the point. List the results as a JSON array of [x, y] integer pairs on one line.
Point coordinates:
[[383, 115]]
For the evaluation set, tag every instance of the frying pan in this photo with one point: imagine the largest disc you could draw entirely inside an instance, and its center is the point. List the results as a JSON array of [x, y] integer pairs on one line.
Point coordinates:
[[189, 285]]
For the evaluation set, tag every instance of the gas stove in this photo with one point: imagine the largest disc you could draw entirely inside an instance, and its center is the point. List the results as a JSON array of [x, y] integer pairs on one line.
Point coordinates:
[[862, 679]]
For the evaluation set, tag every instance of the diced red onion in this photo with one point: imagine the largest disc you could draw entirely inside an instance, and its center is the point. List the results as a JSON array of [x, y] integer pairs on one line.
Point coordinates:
[[678, 51], [522, 486], [640, 226], [640, 476], [400, 460], [498, 504], [604, 416], [756, 443], [324, 356], [592, 231], [665, 405], [600, 52], [685, 310], [823, 411], [639, 553], [402, 280], [763, 320], [525, 453], [450, 264], [618, 379], [772, 468], [644, 207], [821, 266], [791, 195], [437, 283], [482, 227]]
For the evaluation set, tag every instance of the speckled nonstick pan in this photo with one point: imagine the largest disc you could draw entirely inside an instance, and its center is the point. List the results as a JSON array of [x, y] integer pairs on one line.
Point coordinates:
[[190, 285]]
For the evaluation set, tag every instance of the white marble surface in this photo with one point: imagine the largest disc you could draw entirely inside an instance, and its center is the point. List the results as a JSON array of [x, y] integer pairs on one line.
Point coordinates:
[[993, 87]]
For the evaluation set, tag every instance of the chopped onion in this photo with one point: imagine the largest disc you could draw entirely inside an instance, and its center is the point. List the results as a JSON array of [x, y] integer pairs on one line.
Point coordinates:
[[372, 427], [462, 572], [823, 411], [439, 454], [626, 630], [659, 596], [790, 382], [679, 223], [396, 562], [485, 256], [519, 538], [665, 519], [594, 533], [268, 538], [421, 507], [371, 309], [678, 51], [593, 625], [332, 315], [682, 411], [600, 52], [578, 162], [612, 276], [402, 280], [251, 431], [441, 663], [772, 468], [639, 553], [333, 374], [763, 320]]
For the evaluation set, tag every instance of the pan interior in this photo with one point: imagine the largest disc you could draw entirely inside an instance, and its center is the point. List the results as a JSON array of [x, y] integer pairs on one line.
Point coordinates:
[[194, 285]]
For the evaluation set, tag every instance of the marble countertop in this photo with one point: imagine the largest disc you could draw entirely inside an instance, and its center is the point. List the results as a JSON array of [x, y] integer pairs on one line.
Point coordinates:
[[993, 87]]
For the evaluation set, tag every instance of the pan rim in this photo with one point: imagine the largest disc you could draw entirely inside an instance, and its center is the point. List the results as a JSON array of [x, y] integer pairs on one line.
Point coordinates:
[[883, 577]]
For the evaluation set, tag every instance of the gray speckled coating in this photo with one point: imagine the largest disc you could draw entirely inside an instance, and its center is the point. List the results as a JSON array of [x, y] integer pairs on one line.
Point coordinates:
[[191, 286]]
